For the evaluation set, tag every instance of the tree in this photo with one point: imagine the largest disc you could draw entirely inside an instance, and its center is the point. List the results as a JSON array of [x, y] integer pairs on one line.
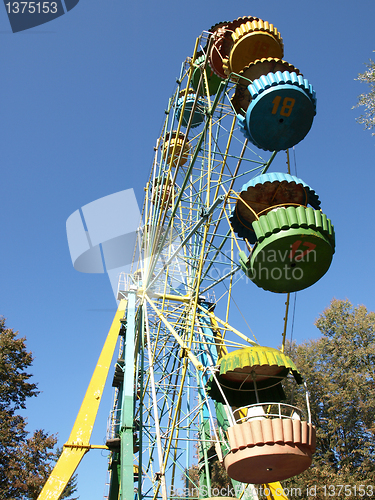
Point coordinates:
[[25, 462], [219, 478], [339, 369], [29, 469], [367, 100]]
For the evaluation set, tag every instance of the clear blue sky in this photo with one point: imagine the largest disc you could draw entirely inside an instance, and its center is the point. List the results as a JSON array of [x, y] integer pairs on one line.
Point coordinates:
[[83, 101]]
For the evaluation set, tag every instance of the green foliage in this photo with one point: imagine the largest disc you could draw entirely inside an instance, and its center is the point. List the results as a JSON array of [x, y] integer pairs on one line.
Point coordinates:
[[367, 100], [14, 360], [25, 462], [218, 475], [193, 477], [339, 371], [29, 465]]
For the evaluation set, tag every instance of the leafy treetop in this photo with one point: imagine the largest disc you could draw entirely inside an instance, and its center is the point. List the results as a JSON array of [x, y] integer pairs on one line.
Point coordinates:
[[367, 100]]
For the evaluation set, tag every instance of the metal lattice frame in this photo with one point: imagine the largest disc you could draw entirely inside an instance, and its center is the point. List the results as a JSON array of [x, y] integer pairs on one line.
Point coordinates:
[[186, 251]]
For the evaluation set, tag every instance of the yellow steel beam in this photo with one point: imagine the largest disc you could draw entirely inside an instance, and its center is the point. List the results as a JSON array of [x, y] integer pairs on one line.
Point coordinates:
[[78, 443], [274, 491], [219, 338]]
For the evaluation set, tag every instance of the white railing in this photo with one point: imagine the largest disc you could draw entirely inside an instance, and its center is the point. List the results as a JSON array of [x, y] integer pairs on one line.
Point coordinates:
[[267, 410], [107, 485], [123, 285]]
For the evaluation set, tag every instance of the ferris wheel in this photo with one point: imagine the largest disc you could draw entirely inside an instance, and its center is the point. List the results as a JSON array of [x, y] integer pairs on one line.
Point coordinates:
[[191, 390]]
